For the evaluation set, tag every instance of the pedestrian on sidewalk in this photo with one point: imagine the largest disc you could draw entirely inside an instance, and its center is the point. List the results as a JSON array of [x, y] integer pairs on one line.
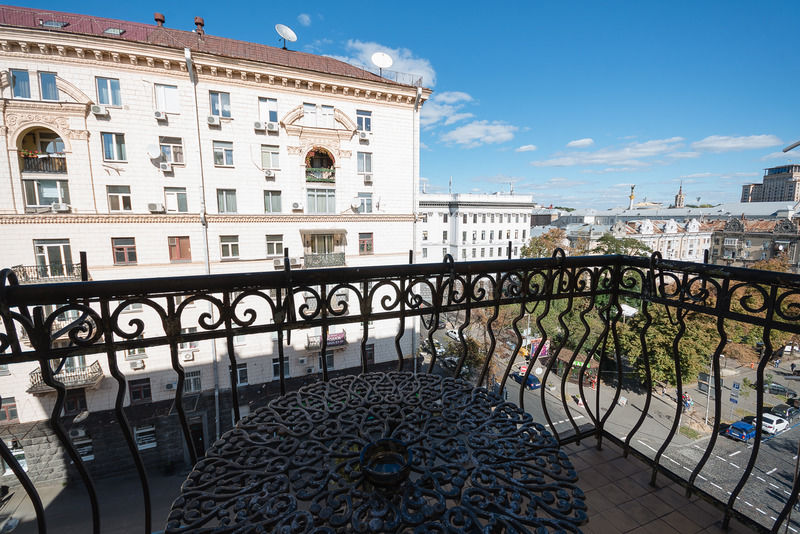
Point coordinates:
[[792, 368]]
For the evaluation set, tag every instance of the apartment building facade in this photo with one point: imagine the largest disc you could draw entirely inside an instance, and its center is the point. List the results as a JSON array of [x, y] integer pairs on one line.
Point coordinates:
[[741, 243], [472, 227], [675, 241], [779, 184], [157, 152]]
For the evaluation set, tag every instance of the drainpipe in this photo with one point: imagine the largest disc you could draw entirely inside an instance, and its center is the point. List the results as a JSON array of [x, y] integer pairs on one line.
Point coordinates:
[[204, 224], [414, 187]]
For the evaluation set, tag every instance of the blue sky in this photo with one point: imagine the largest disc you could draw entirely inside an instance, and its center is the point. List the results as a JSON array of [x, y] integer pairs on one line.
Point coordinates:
[[570, 101]]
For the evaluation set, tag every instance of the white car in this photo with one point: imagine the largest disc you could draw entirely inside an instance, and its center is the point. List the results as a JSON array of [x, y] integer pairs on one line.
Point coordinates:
[[772, 424], [452, 334]]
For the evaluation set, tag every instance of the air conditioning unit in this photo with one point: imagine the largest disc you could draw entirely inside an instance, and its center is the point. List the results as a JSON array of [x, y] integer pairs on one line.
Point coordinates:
[[165, 167], [137, 365], [302, 361], [156, 208], [187, 356], [99, 111], [269, 173], [309, 370], [169, 386], [294, 262], [60, 207], [367, 178], [297, 206], [364, 136], [160, 115], [77, 433], [272, 126], [213, 120], [258, 125]]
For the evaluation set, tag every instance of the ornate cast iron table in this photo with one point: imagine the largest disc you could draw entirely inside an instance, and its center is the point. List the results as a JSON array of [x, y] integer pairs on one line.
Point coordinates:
[[468, 462]]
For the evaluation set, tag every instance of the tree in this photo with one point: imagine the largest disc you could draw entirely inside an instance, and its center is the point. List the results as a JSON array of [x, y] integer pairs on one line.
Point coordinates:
[[779, 263], [475, 356], [544, 245], [608, 244]]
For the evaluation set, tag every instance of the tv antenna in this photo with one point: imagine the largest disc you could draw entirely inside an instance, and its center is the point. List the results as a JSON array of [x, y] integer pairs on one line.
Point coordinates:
[[286, 33], [382, 61]]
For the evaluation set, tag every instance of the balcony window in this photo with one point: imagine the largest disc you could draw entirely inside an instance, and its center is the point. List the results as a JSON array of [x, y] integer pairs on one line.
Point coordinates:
[[8, 410], [108, 93], [226, 200], [20, 83], [267, 109], [364, 162], [365, 243], [318, 116], [53, 257], [119, 197], [276, 368], [328, 359], [220, 104], [274, 245], [179, 249], [171, 149], [192, 382], [321, 200], [175, 199], [138, 353], [223, 153], [166, 98], [19, 455], [140, 391], [364, 120], [75, 401], [39, 193], [114, 146], [320, 166], [145, 436], [269, 157], [272, 201], [188, 345], [322, 244], [229, 247], [365, 203], [241, 374], [47, 86], [124, 249]]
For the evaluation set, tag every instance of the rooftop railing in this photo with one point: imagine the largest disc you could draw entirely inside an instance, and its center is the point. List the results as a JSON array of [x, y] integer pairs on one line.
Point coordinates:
[[609, 373]]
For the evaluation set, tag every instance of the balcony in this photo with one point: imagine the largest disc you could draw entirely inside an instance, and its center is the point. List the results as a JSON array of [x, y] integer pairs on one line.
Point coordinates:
[[333, 340], [45, 164], [322, 175], [332, 259], [43, 274], [80, 377], [615, 384]]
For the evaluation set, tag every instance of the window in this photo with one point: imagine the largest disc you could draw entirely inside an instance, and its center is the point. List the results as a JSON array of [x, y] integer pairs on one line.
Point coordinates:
[[167, 98], [499, 252], [171, 149], [492, 217], [444, 217], [483, 219], [365, 203], [369, 351], [322, 244], [47, 86], [45, 192], [491, 236], [192, 382], [444, 235], [463, 237], [464, 218], [226, 200], [189, 345], [523, 234], [113, 146], [276, 368], [269, 157], [220, 104], [491, 252], [229, 246], [483, 252], [138, 353], [444, 251], [475, 218], [124, 249], [424, 235], [474, 236], [483, 235], [8, 410], [108, 93], [75, 401], [175, 198], [119, 197], [463, 254], [516, 234], [18, 454], [140, 390], [424, 252], [52, 256], [4, 371], [179, 248], [20, 83], [364, 162], [241, 374], [321, 200], [319, 116], [274, 245], [145, 437], [328, 359], [85, 448], [272, 201], [515, 251], [473, 252], [364, 120], [365, 243], [268, 109], [223, 153]]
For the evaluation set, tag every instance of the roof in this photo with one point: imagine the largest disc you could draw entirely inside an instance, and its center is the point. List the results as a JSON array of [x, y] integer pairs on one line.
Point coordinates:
[[22, 17], [725, 210]]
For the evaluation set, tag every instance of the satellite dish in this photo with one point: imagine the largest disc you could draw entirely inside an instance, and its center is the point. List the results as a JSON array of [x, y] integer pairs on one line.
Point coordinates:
[[355, 203], [286, 33], [382, 61], [81, 417], [153, 151]]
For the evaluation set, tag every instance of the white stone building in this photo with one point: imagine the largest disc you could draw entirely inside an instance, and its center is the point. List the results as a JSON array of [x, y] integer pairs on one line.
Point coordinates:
[[472, 227], [675, 241], [161, 152]]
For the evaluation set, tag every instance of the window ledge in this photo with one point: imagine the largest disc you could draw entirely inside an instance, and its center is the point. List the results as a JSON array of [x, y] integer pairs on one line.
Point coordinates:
[[115, 160], [224, 166], [229, 259]]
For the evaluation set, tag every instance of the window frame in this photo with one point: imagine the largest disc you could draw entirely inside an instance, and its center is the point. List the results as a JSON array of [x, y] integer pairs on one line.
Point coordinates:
[[35, 187], [177, 243], [143, 391], [277, 239], [192, 381], [363, 120], [123, 199], [145, 437], [239, 368], [41, 86], [270, 198], [364, 163], [220, 111], [126, 249], [163, 103], [225, 197], [223, 149], [274, 152], [14, 94], [329, 195], [276, 369], [364, 202], [118, 156], [231, 243], [366, 243], [167, 142], [265, 111], [177, 192], [110, 89], [9, 413]]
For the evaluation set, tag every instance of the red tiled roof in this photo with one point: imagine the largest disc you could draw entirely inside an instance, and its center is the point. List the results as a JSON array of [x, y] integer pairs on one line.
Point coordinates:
[[172, 38]]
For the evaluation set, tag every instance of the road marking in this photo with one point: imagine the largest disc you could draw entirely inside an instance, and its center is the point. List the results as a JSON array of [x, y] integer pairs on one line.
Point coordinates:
[[774, 486], [772, 470], [702, 477], [734, 453], [760, 510], [748, 504], [671, 460], [686, 468], [734, 465], [793, 529], [646, 445], [761, 479], [716, 485], [720, 458]]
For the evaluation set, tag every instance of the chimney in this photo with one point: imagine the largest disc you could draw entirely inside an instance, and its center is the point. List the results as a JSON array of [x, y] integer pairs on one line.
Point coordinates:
[[199, 23], [159, 18]]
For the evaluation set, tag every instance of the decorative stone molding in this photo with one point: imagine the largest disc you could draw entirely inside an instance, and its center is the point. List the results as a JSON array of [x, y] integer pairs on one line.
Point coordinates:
[[76, 218], [22, 115], [334, 219], [311, 136]]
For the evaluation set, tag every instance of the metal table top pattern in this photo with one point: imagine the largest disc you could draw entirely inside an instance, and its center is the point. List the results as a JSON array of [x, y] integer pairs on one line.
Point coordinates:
[[479, 464]]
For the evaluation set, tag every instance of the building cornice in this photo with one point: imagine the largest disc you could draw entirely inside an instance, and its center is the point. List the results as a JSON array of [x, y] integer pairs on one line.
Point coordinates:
[[468, 204], [104, 218]]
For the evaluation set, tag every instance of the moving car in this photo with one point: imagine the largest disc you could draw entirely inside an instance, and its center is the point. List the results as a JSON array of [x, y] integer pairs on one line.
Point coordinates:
[[779, 389], [772, 424], [784, 411], [532, 383], [453, 334], [742, 431]]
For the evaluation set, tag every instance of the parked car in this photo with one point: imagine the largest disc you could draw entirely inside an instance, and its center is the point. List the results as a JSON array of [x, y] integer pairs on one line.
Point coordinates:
[[453, 334], [449, 362], [742, 431], [779, 389], [532, 383], [772, 424], [794, 402], [439, 351], [784, 411]]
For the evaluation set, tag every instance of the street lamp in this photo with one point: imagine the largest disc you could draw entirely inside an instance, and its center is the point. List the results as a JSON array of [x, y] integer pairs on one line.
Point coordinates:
[[792, 146]]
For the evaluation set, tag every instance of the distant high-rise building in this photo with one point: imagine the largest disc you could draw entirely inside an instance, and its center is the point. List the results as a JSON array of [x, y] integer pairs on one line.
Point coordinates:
[[779, 184], [680, 200]]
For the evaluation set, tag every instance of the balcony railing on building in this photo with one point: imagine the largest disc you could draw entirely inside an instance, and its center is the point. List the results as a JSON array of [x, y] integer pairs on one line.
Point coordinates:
[[37, 274], [45, 164], [73, 378], [322, 175], [333, 340], [331, 259]]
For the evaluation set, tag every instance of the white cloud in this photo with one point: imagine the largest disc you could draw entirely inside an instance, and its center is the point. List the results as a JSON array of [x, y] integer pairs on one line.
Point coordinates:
[[404, 59], [478, 133], [779, 155], [526, 148], [304, 19], [581, 143], [445, 108], [698, 175], [725, 143], [630, 155], [456, 117], [453, 97], [684, 155]]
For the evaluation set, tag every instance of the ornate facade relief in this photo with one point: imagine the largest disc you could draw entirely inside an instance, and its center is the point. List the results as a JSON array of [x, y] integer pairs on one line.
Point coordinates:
[[313, 136], [21, 116]]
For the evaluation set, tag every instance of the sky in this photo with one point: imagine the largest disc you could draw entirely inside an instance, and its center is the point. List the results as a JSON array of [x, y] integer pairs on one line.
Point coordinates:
[[572, 102]]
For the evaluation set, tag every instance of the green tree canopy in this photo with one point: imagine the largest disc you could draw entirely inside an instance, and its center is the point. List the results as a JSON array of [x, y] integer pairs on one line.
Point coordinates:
[[544, 245], [608, 244]]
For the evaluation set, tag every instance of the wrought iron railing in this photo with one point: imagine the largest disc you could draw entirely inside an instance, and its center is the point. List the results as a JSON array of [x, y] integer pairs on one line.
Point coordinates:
[[78, 377], [36, 274], [48, 164], [608, 375], [332, 259], [324, 175]]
